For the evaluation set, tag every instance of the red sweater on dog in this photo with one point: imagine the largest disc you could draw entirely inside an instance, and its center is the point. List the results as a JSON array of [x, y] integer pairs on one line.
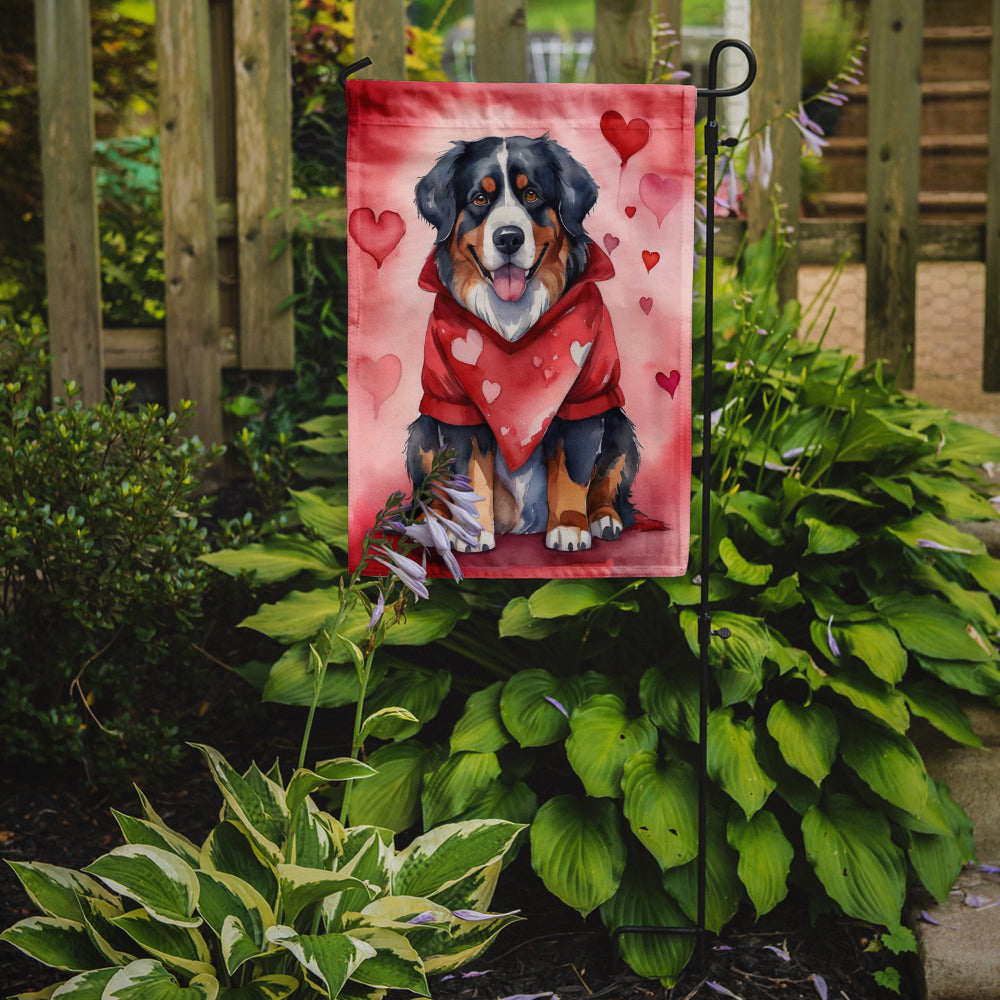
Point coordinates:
[[566, 365]]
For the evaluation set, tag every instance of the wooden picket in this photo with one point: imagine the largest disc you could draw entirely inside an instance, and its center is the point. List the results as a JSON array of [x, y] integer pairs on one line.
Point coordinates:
[[226, 160]]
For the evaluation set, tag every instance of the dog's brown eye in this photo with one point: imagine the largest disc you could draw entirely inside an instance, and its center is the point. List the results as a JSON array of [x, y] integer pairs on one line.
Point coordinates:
[[531, 195], [480, 199]]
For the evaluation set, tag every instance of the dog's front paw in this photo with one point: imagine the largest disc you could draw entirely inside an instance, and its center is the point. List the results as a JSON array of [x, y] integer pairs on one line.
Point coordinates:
[[607, 528], [566, 538], [486, 541]]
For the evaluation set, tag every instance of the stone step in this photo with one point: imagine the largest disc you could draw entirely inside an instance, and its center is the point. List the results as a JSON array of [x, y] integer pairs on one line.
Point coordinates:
[[951, 206], [956, 53]]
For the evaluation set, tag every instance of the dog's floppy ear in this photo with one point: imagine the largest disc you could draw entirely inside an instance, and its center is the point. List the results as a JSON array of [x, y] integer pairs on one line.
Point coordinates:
[[577, 190], [435, 193]]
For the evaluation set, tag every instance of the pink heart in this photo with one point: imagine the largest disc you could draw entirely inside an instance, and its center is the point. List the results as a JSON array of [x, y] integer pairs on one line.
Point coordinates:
[[650, 258], [611, 242], [626, 138], [377, 238], [490, 390], [645, 304], [468, 348], [380, 379], [659, 194], [669, 382], [630, 210]]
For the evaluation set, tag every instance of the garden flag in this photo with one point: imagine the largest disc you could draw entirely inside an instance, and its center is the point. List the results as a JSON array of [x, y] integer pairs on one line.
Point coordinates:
[[520, 272]]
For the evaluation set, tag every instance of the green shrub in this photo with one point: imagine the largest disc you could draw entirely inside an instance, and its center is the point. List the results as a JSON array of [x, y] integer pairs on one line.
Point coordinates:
[[101, 584]]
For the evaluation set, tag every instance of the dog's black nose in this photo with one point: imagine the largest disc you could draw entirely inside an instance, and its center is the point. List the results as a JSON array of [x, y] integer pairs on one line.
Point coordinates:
[[508, 239]]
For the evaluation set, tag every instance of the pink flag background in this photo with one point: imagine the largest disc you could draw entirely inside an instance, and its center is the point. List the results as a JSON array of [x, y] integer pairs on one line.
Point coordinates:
[[643, 162]]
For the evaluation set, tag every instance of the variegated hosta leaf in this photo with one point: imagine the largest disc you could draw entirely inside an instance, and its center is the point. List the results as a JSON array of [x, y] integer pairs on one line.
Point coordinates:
[[765, 858], [476, 890], [481, 727], [602, 737], [441, 857], [395, 964], [256, 801], [54, 941], [147, 979], [661, 805], [301, 887], [225, 897], [116, 947], [158, 880], [315, 838], [807, 736], [56, 891], [535, 706], [456, 784], [888, 763], [732, 760], [274, 987], [467, 940], [329, 959], [230, 849], [177, 947], [642, 902], [86, 986], [141, 831], [850, 847], [304, 782], [578, 851], [367, 853], [391, 799]]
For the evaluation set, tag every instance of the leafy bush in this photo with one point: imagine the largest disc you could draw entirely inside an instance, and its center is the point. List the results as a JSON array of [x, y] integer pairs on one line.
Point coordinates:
[[854, 602], [279, 899], [99, 540]]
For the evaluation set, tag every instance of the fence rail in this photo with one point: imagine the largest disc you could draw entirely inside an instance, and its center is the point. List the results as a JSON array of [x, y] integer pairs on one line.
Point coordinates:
[[226, 161]]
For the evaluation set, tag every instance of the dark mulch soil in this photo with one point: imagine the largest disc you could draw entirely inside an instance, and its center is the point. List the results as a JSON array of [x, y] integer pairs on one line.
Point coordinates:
[[551, 951]]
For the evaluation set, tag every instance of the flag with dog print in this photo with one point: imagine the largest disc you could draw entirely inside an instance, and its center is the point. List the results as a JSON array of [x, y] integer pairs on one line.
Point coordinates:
[[520, 262]]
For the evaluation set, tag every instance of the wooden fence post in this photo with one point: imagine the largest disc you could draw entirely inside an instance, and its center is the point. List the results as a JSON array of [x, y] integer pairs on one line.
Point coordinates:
[[380, 34], [892, 214], [621, 40], [776, 35], [190, 251], [72, 255], [991, 332], [501, 41], [262, 61]]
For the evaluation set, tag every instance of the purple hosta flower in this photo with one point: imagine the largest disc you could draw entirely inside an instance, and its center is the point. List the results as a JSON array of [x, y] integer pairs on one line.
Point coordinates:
[[719, 988], [456, 494], [820, 984], [465, 975], [730, 200], [475, 915], [780, 952], [990, 869], [531, 996], [812, 134], [377, 611], [927, 918], [834, 648], [427, 917], [927, 543], [760, 166], [552, 701], [432, 534], [410, 574]]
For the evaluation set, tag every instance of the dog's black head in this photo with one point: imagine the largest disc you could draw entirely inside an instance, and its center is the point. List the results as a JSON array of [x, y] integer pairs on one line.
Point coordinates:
[[509, 218]]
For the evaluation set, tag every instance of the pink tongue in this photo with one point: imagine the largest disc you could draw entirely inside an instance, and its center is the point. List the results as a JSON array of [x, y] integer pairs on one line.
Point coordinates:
[[508, 282]]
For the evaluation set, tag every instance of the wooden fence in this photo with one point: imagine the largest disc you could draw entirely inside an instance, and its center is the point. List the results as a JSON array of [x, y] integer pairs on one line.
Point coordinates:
[[226, 161]]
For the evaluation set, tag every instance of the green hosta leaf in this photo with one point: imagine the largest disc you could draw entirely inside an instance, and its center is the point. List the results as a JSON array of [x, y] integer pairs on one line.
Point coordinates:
[[976, 678], [159, 881], [602, 738], [738, 661], [685, 593], [931, 628], [516, 803], [661, 799], [456, 784], [641, 901], [275, 987], [279, 558], [517, 620], [438, 859], [765, 858], [937, 859], [226, 898], [866, 692], [965, 443], [561, 598], [893, 488], [807, 736], [957, 501], [260, 809], [828, 539], [291, 680], [395, 964], [530, 706], [732, 760], [230, 849], [56, 891], [54, 941], [783, 595], [141, 831], [758, 511], [301, 887], [180, 948], [975, 605], [986, 571], [928, 528], [327, 520], [417, 690], [578, 851], [888, 763], [481, 728], [391, 798], [751, 574], [147, 979], [876, 646], [330, 959], [850, 848], [870, 435], [723, 889], [941, 709], [671, 700]]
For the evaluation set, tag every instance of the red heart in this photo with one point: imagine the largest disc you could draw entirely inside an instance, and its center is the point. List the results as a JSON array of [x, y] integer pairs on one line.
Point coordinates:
[[669, 382], [377, 238], [610, 242], [645, 304], [379, 379], [650, 258], [627, 139], [630, 210]]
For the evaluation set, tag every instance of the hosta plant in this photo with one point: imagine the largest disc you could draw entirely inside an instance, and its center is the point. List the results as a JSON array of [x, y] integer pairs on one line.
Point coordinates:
[[279, 900]]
